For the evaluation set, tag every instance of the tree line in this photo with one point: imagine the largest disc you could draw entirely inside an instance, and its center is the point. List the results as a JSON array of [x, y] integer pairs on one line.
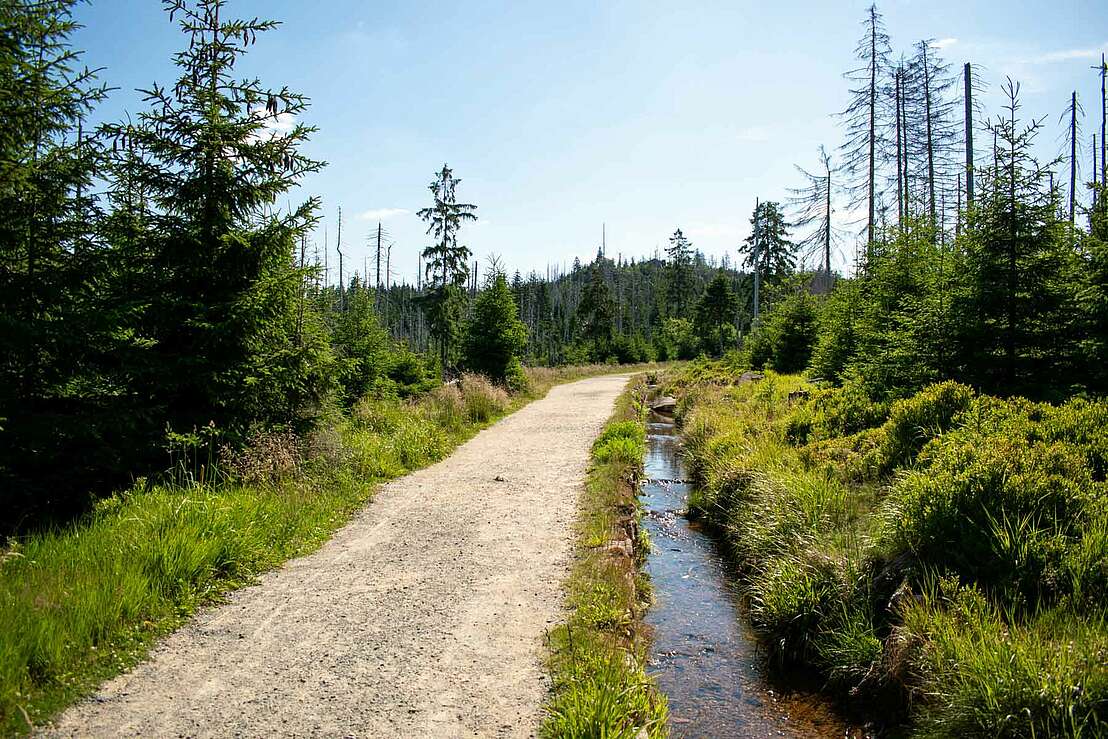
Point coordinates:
[[982, 266]]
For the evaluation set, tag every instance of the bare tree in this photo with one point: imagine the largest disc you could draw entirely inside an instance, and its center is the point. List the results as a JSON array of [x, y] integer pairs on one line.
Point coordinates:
[[865, 118]]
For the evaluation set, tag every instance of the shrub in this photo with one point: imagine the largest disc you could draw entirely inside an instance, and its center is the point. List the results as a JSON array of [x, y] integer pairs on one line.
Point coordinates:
[[833, 412], [993, 510], [916, 420]]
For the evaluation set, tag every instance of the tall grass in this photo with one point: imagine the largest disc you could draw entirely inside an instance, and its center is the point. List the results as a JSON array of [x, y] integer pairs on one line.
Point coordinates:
[[597, 656], [82, 603], [947, 554]]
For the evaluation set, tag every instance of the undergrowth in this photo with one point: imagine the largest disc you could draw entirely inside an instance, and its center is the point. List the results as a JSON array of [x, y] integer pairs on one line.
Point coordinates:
[[600, 688], [942, 560]]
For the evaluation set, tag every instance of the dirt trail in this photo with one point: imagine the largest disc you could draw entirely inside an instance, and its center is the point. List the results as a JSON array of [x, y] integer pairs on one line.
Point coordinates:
[[422, 617]]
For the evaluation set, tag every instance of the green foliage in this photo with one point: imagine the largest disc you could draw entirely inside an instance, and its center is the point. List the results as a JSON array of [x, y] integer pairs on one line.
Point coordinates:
[[836, 338], [494, 334], [679, 339], [362, 348], [989, 677], [621, 443], [768, 248], [915, 421], [679, 291], [947, 551], [600, 687], [716, 313], [447, 263], [786, 338], [596, 311]]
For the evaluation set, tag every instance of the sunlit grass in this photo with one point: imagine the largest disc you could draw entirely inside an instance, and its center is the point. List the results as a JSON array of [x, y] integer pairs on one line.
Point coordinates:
[[85, 602], [597, 656], [844, 515]]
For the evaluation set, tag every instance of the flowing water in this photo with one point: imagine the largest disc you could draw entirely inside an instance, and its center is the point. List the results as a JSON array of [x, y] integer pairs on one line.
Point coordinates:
[[705, 658]]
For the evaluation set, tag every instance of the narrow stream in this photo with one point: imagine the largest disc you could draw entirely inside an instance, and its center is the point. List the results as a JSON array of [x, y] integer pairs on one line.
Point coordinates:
[[705, 658]]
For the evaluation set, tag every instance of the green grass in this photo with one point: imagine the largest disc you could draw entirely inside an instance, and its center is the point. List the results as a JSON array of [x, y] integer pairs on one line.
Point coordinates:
[[597, 656], [944, 557], [83, 603]]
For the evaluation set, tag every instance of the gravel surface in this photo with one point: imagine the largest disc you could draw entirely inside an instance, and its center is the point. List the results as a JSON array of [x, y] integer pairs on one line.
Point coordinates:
[[424, 616]]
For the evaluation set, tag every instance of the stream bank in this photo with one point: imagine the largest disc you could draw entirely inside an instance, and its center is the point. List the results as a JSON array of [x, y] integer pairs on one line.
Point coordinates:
[[704, 656]]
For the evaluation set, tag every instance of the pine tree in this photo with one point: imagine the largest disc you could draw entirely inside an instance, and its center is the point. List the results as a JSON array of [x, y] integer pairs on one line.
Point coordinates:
[[228, 344], [717, 310], [57, 338], [446, 263], [495, 336], [680, 256]]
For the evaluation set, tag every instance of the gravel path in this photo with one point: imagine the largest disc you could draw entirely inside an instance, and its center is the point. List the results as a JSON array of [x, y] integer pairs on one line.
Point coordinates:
[[422, 617]]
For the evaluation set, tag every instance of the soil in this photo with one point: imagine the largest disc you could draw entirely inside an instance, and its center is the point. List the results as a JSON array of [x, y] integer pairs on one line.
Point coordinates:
[[424, 616]]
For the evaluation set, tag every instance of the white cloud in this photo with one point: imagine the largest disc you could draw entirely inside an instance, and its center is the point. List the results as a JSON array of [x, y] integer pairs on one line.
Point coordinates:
[[945, 43], [1066, 55], [278, 125], [382, 214], [481, 222]]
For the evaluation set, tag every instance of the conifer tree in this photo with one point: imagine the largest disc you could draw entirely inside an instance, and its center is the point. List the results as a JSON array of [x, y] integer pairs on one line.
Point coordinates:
[[680, 256], [864, 118], [495, 336], [446, 263], [717, 310], [228, 345], [1018, 311], [769, 240], [54, 391], [595, 313]]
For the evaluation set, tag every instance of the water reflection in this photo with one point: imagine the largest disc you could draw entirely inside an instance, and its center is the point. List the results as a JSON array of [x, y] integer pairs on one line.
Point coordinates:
[[704, 657]]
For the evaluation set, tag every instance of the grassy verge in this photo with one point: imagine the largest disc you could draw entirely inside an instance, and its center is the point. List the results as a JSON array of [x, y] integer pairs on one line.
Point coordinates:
[[597, 656], [942, 559], [83, 603]]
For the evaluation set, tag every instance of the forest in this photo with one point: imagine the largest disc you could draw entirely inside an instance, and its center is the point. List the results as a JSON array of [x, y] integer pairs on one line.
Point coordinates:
[[917, 468]]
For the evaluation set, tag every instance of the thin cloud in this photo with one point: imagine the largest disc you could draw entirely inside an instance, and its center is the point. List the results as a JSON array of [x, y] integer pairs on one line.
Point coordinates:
[[1066, 55], [382, 214], [945, 43], [753, 134]]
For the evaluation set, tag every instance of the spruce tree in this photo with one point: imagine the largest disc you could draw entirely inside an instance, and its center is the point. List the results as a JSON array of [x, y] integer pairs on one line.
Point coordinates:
[[680, 256], [446, 263], [769, 240], [717, 310], [228, 344], [55, 386], [494, 336], [1017, 306]]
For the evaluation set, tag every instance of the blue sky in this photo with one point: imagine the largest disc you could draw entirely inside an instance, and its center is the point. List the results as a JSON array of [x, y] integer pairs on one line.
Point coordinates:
[[558, 117]]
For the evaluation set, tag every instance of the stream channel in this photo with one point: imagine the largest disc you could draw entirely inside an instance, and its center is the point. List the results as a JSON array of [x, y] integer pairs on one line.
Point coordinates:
[[704, 656]]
